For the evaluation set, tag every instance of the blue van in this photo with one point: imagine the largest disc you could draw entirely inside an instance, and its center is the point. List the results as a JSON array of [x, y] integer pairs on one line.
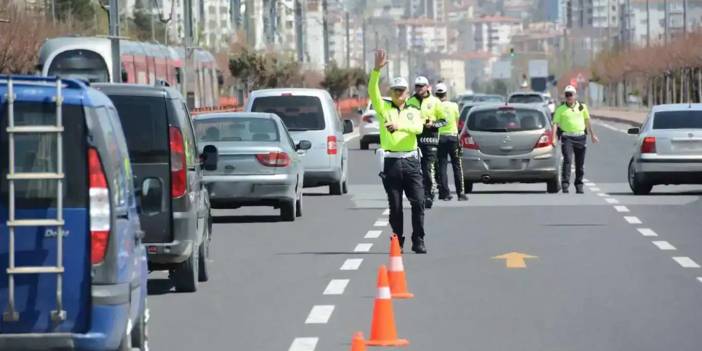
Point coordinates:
[[73, 269]]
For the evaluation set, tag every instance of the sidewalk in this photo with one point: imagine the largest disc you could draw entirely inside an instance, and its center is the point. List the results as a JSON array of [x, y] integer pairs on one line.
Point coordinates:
[[634, 117]]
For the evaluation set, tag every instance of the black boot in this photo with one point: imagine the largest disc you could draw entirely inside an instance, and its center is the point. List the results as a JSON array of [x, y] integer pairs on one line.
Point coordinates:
[[564, 188], [418, 246], [462, 197], [579, 188], [428, 203]]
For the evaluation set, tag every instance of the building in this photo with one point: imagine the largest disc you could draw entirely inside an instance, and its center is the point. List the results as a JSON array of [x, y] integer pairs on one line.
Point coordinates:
[[422, 35], [494, 33], [644, 21], [217, 29]]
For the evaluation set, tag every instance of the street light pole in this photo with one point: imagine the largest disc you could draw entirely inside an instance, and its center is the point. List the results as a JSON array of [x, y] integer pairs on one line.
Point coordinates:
[[114, 41]]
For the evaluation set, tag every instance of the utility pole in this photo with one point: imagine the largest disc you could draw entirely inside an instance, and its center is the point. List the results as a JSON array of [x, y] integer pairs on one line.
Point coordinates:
[[665, 21], [648, 23], [364, 48], [348, 42], [236, 13], [114, 41], [188, 26], [684, 18], [299, 32], [325, 32]]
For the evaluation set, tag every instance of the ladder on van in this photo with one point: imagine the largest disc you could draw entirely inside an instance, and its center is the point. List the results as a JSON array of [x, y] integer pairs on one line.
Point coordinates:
[[11, 314]]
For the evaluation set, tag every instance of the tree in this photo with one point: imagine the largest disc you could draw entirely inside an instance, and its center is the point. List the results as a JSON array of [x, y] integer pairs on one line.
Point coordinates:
[[338, 80], [144, 19], [76, 11], [257, 70]]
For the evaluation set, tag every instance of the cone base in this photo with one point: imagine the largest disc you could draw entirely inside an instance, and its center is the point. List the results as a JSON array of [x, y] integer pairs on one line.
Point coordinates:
[[397, 342], [404, 295]]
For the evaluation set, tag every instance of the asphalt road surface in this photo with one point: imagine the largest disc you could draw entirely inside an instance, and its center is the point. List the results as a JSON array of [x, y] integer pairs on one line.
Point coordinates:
[[613, 271]]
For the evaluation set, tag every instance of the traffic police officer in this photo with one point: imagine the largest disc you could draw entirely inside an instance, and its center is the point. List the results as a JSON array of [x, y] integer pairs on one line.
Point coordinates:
[[449, 147], [400, 124], [571, 122], [433, 117]]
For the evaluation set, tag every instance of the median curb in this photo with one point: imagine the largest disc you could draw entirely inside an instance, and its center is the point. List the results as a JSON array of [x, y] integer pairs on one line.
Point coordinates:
[[618, 120]]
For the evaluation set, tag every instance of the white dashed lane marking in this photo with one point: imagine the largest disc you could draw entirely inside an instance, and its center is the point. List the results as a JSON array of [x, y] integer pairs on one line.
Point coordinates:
[[602, 194], [320, 314], [380, 223], [699, 279], [386, 212], [363, 247], [373, 234], [632, 220], [595, 189], [351, 264], [336, 287], [621, 209], [664, 245], [303, 344], [647, 232], [611, 200], [686, 262]]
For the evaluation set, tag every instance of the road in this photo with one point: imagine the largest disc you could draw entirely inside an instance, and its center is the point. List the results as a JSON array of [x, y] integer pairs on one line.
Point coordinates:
[[613, 271]]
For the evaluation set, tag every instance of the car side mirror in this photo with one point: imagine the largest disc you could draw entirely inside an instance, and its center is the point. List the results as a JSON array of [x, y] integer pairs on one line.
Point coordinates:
[[151, 196], [634, 131], [209, 158], [303, 145], [348, 126]]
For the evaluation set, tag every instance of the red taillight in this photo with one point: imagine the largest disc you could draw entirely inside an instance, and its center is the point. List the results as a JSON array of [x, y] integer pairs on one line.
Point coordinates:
[[460, 125], [367, 119], [331, 145], [468, 142], [649, 145], [274, 159], [545, 140], [100, 212], [178, 165]]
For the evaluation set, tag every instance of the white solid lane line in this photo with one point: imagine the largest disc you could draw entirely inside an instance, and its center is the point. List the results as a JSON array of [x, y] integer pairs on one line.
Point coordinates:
[[386, 212], [373, 234], [363, 247], [686, 262], [304, 344], [611, 200], [380, 223], [351, 264], [647, 232], [320, 314], [664, 245], [632, 220], [621, 209], [336, 287]]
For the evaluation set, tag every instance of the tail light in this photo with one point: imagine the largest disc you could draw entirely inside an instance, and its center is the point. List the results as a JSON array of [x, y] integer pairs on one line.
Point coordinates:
[[178, 165], [331, 145], [468, 142], [649, 145], [367, 119], [274, 159], [100, 213], [546, 140], [460, 125]]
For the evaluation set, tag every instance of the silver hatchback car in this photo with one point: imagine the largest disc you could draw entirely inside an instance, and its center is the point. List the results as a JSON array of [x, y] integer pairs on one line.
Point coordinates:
[[509, 143], [668, 149], [258, 164]]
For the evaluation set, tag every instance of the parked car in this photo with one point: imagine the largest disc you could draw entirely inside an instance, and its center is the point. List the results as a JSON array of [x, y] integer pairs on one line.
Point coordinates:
[[73, 266], [310, 114], [162, 146], [509, 143], [668, 149], [258, 164], [369, 130]]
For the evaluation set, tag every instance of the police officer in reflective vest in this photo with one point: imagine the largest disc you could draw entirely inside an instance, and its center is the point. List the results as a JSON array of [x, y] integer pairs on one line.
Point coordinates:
[[449, 147], [571, 122], [400, 124], [433, 117]]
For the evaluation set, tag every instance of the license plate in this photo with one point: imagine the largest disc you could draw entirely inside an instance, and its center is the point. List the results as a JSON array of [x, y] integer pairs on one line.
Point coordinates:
[[688, 145], [506, 164]]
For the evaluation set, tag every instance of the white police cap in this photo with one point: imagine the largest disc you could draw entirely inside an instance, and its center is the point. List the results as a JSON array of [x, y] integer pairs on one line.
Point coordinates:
[[421, 80], [441, 88], [399, 83]]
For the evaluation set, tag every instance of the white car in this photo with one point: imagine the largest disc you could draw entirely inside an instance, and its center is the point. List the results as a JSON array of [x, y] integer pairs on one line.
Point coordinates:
[[668, 149], [369, 130]]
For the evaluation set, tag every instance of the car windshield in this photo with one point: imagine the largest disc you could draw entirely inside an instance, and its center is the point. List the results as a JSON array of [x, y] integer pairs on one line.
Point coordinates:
[[236, 129], [506, 120], [691, 119], [299, 113], [526, 99]]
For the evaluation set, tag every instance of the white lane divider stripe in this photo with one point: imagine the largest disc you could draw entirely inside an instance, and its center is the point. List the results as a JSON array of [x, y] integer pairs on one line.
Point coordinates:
[[595, 189], [699, 279], [304, 344], [373, 234], [647, 232], [363, 247], [380, 223], [621, 209], [632, 220], [386, 212], [664, 245], [320, 314], [602, 194], [611, 200], [351, 264], [336, 287], [686, 262]]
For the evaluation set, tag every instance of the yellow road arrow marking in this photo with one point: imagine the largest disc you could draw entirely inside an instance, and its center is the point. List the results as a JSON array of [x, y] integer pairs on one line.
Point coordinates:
[[514, 259]]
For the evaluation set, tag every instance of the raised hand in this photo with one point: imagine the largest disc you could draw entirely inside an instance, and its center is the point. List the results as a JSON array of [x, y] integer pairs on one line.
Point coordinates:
[[380, 59]]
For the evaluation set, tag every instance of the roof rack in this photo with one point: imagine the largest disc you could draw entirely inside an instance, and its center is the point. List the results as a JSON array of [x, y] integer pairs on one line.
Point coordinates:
[[40, 80]]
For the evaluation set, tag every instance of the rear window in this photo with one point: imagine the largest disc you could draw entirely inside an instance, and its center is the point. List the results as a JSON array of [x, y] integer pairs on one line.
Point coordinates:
[[490, 98], [678, 120], [37, 153], [145, 123], [506, 120], [299, 113], [236, 129], [526, 99]]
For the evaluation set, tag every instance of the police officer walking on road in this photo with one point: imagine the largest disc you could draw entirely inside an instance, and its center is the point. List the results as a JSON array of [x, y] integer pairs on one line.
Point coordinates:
[[571, 122], [433, 118], [400, 124], [449, 147]]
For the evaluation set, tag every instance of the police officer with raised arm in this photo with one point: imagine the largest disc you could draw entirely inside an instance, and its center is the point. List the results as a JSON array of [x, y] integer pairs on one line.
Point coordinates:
[[449, 147], [571, 122], [433, 119], [400, 124]]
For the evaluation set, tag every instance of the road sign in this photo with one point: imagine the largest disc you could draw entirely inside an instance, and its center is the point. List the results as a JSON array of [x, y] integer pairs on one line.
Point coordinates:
[[514, 259]]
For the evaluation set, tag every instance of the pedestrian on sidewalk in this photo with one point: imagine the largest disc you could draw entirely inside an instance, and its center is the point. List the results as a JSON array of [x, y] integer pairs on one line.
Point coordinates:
[[571, 125], [449, 147], [400, 124]]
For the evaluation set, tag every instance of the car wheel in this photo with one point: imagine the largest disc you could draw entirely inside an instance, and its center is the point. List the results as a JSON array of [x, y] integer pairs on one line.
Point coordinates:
[[468, 186], [364, 145], [204, 255], [287, 210], [140, 334], [298, 207], [336, 188], [636, 182], [554, 185], [185, 276]]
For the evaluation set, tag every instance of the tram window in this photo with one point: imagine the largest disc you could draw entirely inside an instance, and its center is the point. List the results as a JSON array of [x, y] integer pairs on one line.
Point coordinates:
[[81, 64]]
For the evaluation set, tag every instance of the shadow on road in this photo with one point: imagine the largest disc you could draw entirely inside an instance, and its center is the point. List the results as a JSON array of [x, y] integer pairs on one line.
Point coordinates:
[[317, 194], [497, 192], [246, 219], [331, 253], [160, 286], [681, 193]]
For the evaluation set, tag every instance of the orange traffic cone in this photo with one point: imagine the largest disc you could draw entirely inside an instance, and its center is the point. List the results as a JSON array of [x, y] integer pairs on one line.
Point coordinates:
[[358, 344], [398, 282], [383, 332]]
